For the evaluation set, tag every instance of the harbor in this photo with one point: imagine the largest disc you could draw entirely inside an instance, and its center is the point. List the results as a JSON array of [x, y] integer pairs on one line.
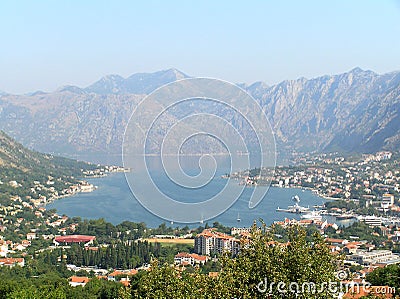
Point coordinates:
[[318, 212], [296, 208]]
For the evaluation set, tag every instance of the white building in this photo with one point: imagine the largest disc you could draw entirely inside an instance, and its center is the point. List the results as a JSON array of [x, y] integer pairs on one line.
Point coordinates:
[[31, 236], [184, 258], [3, 248], [239, 230], [363, 257], [387, 201], [212, 242], [371, 220]]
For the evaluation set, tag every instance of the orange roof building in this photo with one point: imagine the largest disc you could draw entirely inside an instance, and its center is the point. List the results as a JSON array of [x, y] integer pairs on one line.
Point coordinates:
[[11, 262], [211, 241], [184, 258], [87, 240], [75, 281]]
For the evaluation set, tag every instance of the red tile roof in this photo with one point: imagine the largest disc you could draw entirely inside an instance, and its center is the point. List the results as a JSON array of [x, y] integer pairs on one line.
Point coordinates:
[[79, 279], [11, 261], [330, 240], [115, 273], [133, 272], [74, 239], [191, 255]]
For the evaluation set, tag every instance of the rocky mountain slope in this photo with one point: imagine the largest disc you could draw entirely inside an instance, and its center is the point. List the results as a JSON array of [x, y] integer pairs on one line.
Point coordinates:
[[141, 83], [341, 112], [357, 111], [16, 160]]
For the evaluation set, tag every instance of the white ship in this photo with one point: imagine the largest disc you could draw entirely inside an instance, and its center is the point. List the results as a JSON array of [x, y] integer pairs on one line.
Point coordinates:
[[296, 208], [313, 215]]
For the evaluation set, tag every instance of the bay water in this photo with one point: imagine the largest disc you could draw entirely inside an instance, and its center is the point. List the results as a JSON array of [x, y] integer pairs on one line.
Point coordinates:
[[114, 201]]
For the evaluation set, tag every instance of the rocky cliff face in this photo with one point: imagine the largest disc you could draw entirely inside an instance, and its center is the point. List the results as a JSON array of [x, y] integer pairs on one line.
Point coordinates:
[[66, 122], [343, 112], [357, 111]]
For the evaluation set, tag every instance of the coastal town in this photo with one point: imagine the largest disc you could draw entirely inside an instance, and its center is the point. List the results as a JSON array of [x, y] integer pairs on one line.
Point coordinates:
[[44, 192], [369, 183], [364, 192]]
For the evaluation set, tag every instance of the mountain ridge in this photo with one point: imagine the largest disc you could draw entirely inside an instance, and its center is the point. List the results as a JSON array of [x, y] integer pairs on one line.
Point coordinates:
[[15, 157], [139, 83], [356, 111]]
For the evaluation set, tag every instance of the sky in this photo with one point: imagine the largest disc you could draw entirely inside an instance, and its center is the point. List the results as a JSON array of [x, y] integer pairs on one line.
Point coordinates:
[[48, 44]]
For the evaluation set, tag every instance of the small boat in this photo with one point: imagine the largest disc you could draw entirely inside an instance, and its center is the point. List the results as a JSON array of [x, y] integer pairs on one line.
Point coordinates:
[[296, 198], [318, 206], [238, 218]]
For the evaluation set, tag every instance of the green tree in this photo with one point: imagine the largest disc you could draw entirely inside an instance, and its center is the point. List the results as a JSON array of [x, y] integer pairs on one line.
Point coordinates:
[[261, 263], [388, 276]]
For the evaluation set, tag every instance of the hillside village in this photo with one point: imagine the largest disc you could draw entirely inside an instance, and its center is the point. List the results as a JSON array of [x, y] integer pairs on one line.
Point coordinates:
[[29, 231]]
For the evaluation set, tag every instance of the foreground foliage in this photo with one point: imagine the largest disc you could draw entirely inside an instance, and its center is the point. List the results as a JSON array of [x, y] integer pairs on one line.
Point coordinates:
[[260, 264], [255, 273], [388, 276]]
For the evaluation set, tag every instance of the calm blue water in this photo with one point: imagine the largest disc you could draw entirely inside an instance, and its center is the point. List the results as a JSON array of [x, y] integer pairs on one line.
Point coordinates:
[[114, 201]]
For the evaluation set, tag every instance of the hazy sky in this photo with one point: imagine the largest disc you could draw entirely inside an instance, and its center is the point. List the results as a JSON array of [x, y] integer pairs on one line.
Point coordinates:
[[46, 44]]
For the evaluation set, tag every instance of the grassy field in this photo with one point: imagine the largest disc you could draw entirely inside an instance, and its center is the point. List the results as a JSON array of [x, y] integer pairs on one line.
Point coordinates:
[[170, 241]]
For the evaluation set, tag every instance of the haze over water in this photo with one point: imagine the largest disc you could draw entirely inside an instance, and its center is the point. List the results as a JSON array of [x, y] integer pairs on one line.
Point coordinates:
[[113, 200]]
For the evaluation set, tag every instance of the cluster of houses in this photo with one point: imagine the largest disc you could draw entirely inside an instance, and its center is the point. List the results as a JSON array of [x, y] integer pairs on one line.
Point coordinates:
[[122, 276], [358, 253], [8, 247], [38, 188], [336, 177], [319, 224], [19, 225], [18, 205], [103, 171]]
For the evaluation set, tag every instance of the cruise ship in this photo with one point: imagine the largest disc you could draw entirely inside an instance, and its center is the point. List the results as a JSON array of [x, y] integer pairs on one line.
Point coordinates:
[[313, 215], [296, 208]]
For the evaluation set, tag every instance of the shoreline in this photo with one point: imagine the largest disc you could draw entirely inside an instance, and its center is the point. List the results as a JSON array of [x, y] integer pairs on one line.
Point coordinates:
[[133, 211], [313, 190], [83, 183]]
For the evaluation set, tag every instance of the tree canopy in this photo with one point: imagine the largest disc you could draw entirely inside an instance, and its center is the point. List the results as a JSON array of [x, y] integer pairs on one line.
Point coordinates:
[[303, 267]]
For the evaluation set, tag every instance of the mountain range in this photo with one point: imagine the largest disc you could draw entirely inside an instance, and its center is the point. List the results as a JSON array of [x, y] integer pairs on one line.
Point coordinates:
[[357, 111]]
